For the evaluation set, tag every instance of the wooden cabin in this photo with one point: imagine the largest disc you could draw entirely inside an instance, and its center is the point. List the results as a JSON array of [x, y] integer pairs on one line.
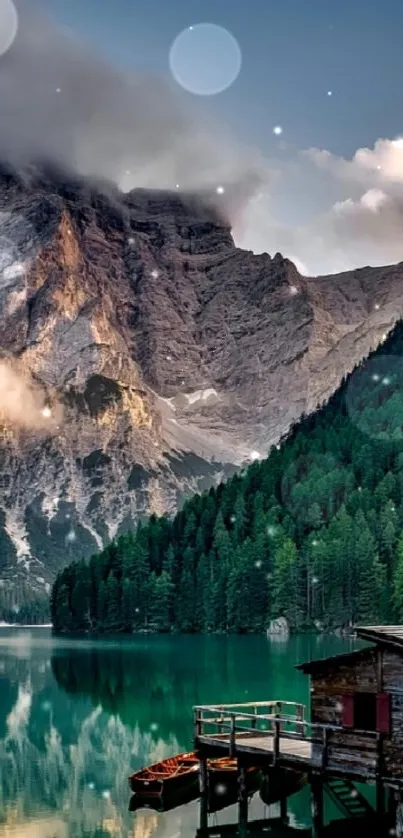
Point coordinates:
[[354, 734], [357, 703]]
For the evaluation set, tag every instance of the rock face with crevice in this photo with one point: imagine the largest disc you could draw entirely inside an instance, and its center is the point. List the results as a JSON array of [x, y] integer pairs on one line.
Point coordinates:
[[160, 357]]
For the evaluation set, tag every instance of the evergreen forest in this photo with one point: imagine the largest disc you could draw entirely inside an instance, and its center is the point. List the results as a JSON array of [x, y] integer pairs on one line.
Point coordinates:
[[314, 533], [33, 608]]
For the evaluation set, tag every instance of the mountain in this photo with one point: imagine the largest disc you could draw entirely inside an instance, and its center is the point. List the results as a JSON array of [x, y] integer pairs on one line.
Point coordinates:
[[312, 534], [144, 357]]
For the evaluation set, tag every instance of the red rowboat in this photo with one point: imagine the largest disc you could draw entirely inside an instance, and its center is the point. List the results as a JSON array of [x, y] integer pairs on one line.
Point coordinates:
[[181, 773], [167, 776]]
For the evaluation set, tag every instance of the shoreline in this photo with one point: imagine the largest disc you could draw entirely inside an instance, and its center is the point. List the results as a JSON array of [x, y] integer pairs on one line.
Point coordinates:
[[25, 625], [279, 637]]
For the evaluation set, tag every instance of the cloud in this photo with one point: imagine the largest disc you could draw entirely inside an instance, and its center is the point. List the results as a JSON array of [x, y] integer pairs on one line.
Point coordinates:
[[22, 404], [61, 102], [362, 223], [384, 162]]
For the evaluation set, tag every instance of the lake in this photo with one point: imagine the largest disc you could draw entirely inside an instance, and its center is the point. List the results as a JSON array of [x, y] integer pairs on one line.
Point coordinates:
[[77, 717]]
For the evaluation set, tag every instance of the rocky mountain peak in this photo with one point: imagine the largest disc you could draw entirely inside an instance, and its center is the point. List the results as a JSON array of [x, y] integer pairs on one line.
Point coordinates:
[[144, 356]]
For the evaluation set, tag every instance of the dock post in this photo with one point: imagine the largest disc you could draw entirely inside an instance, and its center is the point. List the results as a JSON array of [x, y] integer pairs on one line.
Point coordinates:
[[380, 798], [317, 807], [204, 793], [283, 810], [197, 723], [232, 736], [399, 814], [242, 801], [391, 810], [276, 740]]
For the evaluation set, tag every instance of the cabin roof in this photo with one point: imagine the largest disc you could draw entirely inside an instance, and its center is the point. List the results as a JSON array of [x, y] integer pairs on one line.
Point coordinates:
[[334, 660], [385, 635]]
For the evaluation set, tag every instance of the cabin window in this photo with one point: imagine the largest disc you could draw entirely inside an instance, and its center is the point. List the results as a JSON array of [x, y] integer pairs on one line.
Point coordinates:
[[383, 713], [348, 711], [365, 711]]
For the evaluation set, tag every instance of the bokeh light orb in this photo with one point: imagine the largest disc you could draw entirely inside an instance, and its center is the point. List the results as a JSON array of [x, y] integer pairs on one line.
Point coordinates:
[[205, 59], [8, 25]]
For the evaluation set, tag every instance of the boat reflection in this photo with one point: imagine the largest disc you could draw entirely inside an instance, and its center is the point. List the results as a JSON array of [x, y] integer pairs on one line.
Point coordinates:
[[218, 798], [162, 803], [279, 783]]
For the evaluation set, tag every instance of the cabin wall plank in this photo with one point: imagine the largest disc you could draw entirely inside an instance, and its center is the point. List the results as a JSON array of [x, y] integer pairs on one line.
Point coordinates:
[[330, 684], [392, 682], [341, 678], [392, 671], [347, 750], [360, 741]]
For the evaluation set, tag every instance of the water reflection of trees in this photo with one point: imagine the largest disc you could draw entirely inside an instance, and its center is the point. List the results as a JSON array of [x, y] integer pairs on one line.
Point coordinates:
[[154, 685], [131, 687]]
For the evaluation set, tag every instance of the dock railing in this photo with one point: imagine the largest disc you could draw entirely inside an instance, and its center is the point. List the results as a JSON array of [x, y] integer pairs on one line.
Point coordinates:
[[279, 720], [257, 718]]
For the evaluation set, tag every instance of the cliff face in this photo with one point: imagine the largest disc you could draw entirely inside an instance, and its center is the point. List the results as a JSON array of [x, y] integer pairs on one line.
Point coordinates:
[[143, 356]]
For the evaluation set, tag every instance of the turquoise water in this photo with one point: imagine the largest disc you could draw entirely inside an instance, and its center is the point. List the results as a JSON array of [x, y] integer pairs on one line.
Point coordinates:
[[76, 717]]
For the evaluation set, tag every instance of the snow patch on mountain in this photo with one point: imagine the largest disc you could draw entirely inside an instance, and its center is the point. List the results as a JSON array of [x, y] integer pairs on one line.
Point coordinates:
[[17, 532], [202, 395], [50, 506]]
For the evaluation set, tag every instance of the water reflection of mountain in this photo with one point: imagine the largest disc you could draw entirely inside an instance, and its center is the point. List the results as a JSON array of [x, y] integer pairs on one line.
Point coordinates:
[[76, 718], [63, 763]]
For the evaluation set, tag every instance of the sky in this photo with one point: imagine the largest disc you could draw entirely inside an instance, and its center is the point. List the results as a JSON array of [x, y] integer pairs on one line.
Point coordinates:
[[293, 52], [283, 95]]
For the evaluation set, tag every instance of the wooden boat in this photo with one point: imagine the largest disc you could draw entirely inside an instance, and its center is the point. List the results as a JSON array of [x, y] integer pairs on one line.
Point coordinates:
[[167, 776], [181, 772], [279, 783]]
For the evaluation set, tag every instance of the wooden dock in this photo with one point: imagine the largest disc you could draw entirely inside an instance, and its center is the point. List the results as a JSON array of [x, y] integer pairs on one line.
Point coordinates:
[[288, 752], [271, 733], [277, 735]]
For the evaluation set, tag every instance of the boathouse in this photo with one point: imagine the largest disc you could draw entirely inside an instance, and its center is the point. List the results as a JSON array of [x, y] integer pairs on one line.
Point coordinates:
[[351, 732], [357, 704]]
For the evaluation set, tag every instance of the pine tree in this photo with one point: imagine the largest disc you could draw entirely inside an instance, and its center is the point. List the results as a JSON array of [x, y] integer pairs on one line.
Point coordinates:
[[114, 620], [239, 519], [61, 616], [237, 604], [102, 607], [162, 602], [365, 555], [128, 604], [398, 583], [185, 607], [80, 599], [371, 592], [204, 581], [284, 589]]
